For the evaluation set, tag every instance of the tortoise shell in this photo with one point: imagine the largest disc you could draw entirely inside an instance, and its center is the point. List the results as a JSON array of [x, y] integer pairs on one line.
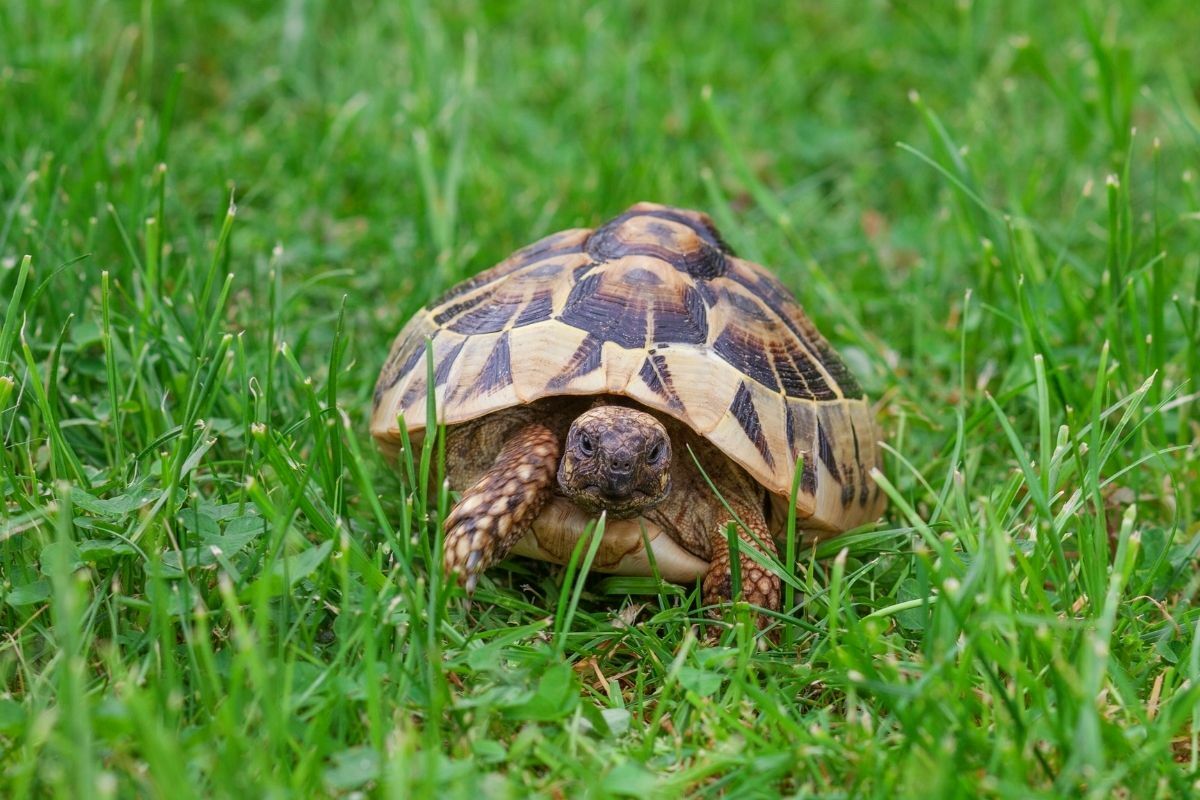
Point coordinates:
[[655, 307]]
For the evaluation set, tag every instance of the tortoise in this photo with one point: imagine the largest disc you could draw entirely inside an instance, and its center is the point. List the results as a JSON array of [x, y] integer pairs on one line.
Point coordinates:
[[619, 371]]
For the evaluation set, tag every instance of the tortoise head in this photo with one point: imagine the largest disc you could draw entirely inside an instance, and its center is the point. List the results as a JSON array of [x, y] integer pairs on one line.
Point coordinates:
[[616, 460]]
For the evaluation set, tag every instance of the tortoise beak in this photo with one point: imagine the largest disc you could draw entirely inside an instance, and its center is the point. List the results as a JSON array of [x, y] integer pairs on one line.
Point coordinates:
[[618, 484]]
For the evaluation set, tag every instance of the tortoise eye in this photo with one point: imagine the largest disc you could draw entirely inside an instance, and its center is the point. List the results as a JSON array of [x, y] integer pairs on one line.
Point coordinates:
[[585, 444], [655, 452]]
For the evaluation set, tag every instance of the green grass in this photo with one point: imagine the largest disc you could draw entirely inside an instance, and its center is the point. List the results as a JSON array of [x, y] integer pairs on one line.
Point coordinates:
[[214, 216]]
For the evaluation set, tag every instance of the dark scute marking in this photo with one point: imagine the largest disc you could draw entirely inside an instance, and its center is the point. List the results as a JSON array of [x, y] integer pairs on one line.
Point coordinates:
[[685, 323], [804, 376], [664, 233], [414, 355], [747, 306], [603, 244], [415, 390], [781, 303], [746, 414], [548, 270], [657, 376], [793, 445], [552, 245], [825, 450], [442, 371], [847, 474], [487, 318], [771, 293], [847, 493], [546, 248], [697, 309], [700, 224], [747, 354], [707, 294], [612, 318], [819, 387], [585, 359], [808, 477], [537, 310], [411, 350], [458, 290], [497, 370], [450, 312], [703, 263], [791, 379], [863, 492], [640, 276], [840, 372], [582, 269]]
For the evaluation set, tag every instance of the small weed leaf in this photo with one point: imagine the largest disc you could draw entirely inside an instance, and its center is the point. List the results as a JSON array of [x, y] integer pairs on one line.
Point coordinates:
[[121, 505], [701, 682], [28, 594], [351, 769], [289, 571], [555, 697], [12, 717]]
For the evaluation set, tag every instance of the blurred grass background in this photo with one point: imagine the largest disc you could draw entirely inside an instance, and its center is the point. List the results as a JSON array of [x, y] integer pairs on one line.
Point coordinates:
[[211, 586]]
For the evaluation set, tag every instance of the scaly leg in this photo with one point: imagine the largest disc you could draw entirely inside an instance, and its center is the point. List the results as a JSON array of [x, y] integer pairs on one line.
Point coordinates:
[[760, 586], [497, 511]]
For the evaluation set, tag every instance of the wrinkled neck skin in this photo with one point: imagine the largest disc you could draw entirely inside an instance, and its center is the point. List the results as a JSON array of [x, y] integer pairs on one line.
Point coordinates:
[[617, 461]]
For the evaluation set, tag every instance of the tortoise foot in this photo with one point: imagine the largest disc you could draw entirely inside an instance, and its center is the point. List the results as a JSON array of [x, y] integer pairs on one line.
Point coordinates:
[[760, 586], [497, 511]]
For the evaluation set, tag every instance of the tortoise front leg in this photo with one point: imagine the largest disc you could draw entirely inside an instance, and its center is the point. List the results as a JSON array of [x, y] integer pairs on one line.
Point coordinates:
[[498, 510], [760, 586]]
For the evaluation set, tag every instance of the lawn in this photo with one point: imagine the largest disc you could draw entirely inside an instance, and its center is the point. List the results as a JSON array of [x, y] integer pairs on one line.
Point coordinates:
[[215, 216]]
